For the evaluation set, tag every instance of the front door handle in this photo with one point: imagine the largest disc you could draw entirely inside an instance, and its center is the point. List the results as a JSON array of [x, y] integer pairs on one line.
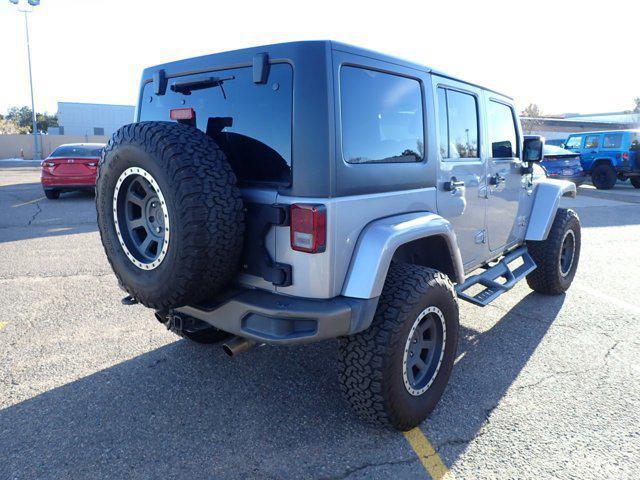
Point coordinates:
[[453, 185]]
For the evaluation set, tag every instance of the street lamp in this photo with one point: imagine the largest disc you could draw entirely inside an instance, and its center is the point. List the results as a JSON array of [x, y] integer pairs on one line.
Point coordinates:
[[28, 9]]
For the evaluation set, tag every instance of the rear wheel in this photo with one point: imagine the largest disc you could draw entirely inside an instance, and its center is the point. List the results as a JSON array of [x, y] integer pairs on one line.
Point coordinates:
[[395, 372], [52, 194], [603, 177], [635, 181], [557, 257]]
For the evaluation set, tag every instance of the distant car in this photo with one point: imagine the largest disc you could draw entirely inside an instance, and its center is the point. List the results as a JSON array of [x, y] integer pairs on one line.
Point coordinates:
[[563, 164], [608, 156], [558, 142], [70, 167]]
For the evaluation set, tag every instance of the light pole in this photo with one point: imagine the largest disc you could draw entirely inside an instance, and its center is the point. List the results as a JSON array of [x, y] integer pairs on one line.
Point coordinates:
[[25, 10]]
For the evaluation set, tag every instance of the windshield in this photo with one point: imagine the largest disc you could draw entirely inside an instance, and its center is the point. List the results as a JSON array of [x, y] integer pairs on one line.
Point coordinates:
[[77, 151], [574, 142]]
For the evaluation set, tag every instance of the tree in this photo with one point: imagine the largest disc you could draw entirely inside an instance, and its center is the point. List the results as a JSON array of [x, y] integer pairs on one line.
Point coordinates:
[[532, 123], [22, 117], [637, 107], [9, 127]]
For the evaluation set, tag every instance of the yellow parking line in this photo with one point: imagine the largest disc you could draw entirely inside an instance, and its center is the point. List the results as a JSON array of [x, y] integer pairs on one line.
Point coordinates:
[[2, 325], [430, 459], [29, 202]]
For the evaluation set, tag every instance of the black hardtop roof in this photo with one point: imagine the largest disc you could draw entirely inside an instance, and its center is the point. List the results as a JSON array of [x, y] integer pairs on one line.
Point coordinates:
[[240, 56]]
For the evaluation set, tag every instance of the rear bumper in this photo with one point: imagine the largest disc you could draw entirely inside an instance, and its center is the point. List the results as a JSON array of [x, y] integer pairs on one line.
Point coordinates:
[[280, 319], [50, 181]]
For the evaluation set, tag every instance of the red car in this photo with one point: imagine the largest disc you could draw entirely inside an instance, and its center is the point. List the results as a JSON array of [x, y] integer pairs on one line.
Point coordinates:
[[70, 167]]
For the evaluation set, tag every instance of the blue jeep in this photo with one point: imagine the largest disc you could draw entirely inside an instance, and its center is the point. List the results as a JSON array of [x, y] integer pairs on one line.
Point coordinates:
[[608, 156]]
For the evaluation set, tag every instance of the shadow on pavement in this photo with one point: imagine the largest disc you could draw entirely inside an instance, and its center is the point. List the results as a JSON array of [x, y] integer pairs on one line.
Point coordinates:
[[186, 410]]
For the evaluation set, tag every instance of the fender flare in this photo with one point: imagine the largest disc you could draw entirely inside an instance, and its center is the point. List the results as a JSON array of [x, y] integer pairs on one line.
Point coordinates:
[[378, 243], [545, 205]]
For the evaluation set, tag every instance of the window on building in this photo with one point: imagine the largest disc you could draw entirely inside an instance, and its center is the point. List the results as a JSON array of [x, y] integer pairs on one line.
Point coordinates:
[[460, 140], [574, 142], [502, 130], [382, 120], [613, 140], [98, 130], [592, 141]]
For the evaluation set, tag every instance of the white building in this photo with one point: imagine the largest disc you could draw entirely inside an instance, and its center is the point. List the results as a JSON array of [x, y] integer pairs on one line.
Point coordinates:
[[92, 118]]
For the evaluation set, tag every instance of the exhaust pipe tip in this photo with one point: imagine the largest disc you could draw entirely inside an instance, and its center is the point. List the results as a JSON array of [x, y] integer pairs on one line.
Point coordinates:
[[236, 345]]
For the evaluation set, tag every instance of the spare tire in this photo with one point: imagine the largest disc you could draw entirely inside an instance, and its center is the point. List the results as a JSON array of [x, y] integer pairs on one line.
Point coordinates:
[[170, 214]]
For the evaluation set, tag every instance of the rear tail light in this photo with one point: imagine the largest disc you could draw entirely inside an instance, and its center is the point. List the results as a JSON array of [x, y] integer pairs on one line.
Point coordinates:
[[625, 156], [91, 164], [308, 228], [48, 164], [182, 114]]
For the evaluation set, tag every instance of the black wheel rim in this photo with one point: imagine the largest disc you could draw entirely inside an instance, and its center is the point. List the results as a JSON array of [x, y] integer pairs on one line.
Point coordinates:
[[424, 350], [567, 252], [141, 218]]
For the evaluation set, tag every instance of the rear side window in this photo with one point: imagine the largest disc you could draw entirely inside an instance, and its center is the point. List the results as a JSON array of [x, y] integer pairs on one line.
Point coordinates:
[[574, 142], [502, 130], [635, 142], [460, 137], [76, 151], [382, 119], [251, 122], [592, 141], [612, 140]]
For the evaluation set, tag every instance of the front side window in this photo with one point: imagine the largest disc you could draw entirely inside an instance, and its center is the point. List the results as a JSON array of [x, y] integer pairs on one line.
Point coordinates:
[[502, 130], [574, 142], [612, 140], [460, 138], [382, 119], [592, 141]]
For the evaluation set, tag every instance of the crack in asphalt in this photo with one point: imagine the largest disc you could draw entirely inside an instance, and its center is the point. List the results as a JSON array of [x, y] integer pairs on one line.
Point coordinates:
[[38, 211], [351, 471]]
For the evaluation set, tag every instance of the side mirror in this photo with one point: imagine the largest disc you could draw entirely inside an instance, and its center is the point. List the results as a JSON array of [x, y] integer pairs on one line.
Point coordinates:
[[532, 148]]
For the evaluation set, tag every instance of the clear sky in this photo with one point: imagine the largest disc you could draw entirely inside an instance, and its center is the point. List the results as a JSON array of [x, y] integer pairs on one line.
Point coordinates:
[[566, 56]]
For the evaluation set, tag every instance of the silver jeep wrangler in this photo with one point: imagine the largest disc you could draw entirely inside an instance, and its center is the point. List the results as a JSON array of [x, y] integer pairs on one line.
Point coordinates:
[[303, 191]]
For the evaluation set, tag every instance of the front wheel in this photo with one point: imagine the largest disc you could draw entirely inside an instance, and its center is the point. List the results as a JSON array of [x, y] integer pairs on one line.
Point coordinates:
[[635, 181], [557, 257], [395, 372]]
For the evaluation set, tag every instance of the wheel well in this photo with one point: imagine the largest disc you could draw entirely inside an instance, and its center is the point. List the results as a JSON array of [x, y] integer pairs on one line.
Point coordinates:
[[602, 161], [432, 252]]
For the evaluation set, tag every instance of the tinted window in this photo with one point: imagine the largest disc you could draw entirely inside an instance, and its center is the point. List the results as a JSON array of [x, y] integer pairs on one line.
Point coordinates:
[[443, 123], [612, 141], [462, 120], [76, 151], [574, 142], [502, 131], [381, 117], [592, 141], [251, 122]]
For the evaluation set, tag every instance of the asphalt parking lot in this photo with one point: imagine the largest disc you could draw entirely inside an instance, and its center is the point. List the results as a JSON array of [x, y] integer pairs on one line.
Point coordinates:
[[543, 387]]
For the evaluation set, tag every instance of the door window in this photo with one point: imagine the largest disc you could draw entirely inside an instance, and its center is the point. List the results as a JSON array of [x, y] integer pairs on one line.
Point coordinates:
[[574, 142], [592, 141], [459, 139], [502, 130]]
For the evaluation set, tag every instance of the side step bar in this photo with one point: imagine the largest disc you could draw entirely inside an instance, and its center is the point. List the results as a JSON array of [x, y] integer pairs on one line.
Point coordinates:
[[494, 289]]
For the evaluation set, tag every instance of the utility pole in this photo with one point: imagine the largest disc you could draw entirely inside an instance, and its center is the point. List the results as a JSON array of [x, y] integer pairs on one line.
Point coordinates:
[[32, 3]]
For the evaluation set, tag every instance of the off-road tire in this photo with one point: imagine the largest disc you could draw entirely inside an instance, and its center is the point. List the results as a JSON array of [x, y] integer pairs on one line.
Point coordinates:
[[635, 181], [192, 329], [204, 206], [603, 177], [370, 363], [52, 194], [547, 278]]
